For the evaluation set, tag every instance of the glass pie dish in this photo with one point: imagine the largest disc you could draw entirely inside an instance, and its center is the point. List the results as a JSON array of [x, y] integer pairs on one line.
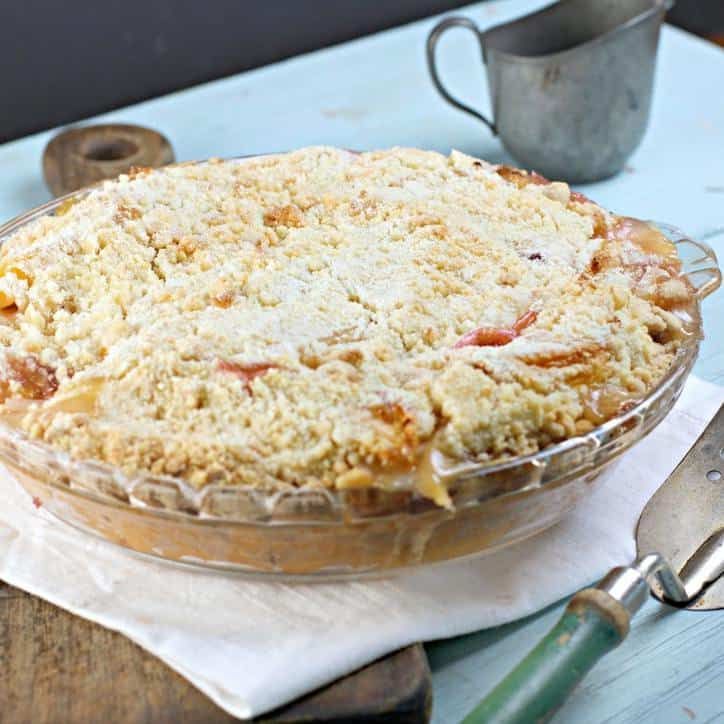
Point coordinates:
[[335, 533]]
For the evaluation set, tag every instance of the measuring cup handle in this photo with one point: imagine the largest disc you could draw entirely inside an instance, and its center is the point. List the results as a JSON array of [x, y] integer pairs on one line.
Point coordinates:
[[453, 22]]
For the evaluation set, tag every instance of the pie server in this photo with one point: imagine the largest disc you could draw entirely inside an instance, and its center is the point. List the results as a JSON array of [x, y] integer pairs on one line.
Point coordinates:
[[680, 548]]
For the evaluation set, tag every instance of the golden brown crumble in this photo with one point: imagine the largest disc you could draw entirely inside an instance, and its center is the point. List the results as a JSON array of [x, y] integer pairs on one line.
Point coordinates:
[[323, 317]]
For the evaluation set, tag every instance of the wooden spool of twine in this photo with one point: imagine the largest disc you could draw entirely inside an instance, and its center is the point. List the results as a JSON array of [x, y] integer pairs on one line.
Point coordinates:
[[82, 156]]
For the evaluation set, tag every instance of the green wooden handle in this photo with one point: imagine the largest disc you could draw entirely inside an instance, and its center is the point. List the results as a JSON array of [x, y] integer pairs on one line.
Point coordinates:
[[592, 625]]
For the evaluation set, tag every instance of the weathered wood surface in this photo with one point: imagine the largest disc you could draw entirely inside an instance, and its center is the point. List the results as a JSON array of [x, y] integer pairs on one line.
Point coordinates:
[[394, 690], [57, 667]]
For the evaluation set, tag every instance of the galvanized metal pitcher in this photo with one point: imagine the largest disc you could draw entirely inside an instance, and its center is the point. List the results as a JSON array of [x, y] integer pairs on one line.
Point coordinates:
[[570, 84]]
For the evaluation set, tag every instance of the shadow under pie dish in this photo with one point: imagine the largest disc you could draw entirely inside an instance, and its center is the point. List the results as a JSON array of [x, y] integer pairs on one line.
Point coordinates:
[[331, 363]]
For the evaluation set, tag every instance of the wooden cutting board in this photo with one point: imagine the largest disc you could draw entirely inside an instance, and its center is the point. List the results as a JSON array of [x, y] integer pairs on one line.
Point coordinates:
[[57, 667]]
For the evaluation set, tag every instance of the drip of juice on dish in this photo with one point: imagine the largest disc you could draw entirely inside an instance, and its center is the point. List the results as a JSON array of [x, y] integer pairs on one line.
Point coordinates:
[[424, 476], [429, 482]]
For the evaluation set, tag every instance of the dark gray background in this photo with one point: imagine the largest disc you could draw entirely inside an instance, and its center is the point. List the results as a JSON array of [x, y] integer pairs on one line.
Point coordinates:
[[62, 60]]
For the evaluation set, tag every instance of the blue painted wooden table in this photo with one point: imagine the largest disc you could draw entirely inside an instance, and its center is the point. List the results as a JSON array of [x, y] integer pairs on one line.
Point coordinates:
[[375, 93]]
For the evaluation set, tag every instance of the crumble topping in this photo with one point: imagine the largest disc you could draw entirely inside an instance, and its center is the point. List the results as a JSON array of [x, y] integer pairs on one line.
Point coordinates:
[[327, 318]]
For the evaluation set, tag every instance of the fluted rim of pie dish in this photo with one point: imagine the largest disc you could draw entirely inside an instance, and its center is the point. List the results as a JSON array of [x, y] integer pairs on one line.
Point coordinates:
[[469, 484]]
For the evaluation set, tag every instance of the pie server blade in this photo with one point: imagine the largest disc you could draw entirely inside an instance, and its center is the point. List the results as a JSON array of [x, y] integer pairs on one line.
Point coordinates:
[[680, 544], [684, 520]]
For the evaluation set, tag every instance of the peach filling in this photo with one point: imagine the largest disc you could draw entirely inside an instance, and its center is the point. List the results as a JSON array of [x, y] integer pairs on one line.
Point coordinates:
[[646, 238], [247, 372], [496, 336], [36, 380]]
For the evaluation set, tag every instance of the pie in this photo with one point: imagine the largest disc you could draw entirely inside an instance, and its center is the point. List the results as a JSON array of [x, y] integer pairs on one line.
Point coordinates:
[[328, 318]]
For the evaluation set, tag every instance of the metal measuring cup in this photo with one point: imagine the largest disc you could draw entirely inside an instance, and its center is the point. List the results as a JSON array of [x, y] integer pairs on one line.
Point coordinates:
[[570, 84]]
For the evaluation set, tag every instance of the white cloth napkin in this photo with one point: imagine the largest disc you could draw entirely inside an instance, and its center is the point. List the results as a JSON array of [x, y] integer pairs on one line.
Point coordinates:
[[252, 646]]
